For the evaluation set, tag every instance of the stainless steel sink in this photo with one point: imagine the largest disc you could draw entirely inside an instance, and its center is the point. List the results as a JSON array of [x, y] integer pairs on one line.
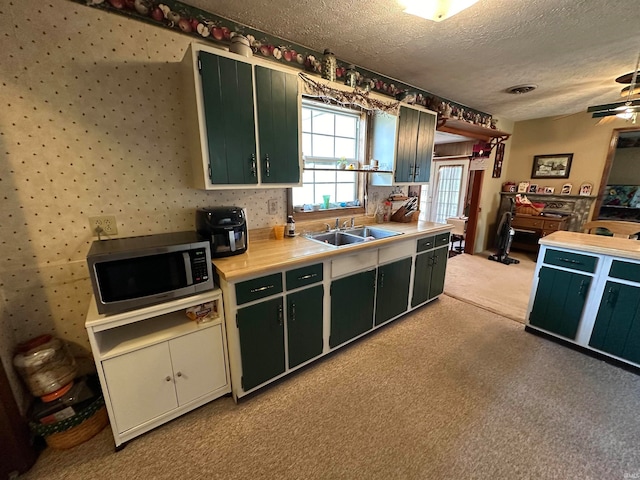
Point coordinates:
[[375, 232], [335, 238]]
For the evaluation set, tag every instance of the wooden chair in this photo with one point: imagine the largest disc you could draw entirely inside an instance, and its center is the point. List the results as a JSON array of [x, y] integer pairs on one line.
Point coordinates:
[[617, 228]]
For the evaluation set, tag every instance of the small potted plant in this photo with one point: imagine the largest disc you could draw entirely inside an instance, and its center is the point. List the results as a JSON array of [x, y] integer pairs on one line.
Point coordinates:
[[342, 163]]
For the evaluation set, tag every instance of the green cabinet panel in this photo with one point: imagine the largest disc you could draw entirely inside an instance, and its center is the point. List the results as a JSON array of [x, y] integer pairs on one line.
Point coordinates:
[[574, 261], [277, 106], [352, 301], [442, 239], [227, 90], [424, 152], [304, 276], [625, 271], [304, 324], [559, 301], [261, 331], [392, 294], [258, 288], [426, 243], [429, 274], [617, 326], [406, 144]]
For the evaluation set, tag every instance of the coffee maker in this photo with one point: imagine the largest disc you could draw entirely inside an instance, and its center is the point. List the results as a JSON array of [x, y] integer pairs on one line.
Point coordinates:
[[225, 228]]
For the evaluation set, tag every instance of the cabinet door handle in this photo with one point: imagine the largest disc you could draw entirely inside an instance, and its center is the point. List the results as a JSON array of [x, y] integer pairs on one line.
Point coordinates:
[[168, 379], [280, 315], [381, 279], [253, 165], [305, 277], [417, 171], [267, 164], [261, 289], [582, 289], [293, 312], [612, 297], [435, 260]]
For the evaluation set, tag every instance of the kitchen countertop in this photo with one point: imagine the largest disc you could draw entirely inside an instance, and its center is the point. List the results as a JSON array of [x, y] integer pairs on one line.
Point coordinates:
[[618, 247], [265, 254]]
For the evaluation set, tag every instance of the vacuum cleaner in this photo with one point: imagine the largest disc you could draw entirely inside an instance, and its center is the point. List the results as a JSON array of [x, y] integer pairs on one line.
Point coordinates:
[[504, 237]]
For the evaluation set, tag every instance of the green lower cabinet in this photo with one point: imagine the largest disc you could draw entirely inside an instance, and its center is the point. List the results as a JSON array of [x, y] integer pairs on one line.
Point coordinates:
[[392, 294], [352, 301], [428, 280], [617, 326], [559, 301], [304, 324], [261, 330]]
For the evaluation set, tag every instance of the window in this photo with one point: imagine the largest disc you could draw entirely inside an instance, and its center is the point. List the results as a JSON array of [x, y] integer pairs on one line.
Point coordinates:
[[329, 135]]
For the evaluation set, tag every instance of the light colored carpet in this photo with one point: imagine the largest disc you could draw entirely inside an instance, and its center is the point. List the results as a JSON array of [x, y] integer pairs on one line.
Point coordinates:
[[450, 391], [499, 288]]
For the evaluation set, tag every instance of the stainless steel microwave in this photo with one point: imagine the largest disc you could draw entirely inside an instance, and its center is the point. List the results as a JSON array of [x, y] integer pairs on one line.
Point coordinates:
[[135, 272]]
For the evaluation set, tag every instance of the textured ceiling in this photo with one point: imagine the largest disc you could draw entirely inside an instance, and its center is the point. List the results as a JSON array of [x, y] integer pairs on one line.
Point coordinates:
[[572, 49]]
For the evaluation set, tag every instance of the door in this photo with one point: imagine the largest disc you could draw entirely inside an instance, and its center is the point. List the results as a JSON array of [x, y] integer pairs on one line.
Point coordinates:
[[261, 331], [438, 271], [559, 301], [424, 153], [450, 183], [304, 324], [227, 91], [278, 107], [351, 306], [141, 385], [392, 293], [421, 279], [617, 326], [198, 363]]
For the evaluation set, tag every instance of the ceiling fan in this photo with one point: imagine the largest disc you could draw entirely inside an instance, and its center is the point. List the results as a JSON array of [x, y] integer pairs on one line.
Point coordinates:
[[627, 109]]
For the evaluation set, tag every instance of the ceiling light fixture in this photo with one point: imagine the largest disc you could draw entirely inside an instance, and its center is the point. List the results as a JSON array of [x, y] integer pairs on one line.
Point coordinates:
[[630, 113], [520, 89], [436, 10]]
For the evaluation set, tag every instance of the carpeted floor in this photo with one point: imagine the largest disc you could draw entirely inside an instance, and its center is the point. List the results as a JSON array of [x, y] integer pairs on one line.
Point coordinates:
[[499, 288], [450, 391]]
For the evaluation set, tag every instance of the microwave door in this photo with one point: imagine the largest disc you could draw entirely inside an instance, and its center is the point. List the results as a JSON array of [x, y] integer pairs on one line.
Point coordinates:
[[187, 267], [232, 240]]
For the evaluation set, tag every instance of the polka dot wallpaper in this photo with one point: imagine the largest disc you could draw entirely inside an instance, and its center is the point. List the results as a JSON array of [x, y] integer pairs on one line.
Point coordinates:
[[91, 124]]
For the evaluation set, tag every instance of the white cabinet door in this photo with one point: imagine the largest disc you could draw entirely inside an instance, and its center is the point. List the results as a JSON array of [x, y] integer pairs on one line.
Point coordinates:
[[198, 363], [140, 385]]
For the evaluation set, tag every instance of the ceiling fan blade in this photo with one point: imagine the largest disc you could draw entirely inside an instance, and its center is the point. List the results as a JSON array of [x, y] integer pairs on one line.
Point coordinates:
[[611, 107], [605, 120]]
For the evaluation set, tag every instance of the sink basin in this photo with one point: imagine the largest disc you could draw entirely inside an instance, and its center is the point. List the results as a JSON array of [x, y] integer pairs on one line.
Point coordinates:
[[336, 238], [367, 232]]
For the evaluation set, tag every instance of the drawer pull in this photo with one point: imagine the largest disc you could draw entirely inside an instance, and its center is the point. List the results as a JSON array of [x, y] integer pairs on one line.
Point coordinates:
[[305, 277], [261, 289], [568, 260]]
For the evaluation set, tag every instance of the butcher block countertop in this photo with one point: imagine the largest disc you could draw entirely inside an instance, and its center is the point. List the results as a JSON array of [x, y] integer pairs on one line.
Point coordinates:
[[266, 253], [613, 246]]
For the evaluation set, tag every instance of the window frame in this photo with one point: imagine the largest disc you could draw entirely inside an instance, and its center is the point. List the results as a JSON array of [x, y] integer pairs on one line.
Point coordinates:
[[361, 176]]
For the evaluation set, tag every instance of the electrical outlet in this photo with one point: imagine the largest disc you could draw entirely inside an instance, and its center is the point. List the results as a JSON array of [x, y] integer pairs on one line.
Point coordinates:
[[104, 224], [272, 206]]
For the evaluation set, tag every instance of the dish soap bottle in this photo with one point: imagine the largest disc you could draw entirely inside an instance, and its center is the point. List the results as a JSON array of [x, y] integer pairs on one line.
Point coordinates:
[[291, 226]]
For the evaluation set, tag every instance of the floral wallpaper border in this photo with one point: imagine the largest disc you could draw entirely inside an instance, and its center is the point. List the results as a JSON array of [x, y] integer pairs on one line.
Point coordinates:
[[198, 23]]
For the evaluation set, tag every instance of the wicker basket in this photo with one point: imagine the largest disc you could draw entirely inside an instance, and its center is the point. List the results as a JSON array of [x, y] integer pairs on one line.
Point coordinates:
[[528, 210], [74, 430]]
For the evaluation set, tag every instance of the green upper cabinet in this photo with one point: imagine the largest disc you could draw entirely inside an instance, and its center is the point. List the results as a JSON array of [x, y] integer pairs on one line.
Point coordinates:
[[414, 150], [278, 113], [227, 93], [247, 119]]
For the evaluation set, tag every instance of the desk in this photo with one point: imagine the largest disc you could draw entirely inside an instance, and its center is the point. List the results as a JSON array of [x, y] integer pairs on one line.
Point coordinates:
[[531, 228]]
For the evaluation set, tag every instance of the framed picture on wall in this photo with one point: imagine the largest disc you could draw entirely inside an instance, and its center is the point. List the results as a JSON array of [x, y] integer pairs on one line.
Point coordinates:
[[552, 166]]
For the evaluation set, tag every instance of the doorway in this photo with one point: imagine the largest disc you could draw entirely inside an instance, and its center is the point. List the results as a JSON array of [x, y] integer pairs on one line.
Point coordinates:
[[450, 188]]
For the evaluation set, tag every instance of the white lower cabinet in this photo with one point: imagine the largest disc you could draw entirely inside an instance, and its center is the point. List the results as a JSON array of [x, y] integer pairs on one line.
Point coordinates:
[[156, 364]]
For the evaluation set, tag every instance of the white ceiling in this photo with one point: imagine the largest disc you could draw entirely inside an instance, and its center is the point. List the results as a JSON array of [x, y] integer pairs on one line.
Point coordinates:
[[572, 49]]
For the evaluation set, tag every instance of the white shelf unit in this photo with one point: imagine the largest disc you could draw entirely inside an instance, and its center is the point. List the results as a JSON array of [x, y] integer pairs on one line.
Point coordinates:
[[156, 364]]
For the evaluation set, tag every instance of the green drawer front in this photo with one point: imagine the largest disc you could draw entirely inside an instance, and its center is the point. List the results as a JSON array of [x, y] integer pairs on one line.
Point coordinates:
[[574, 261], [426, 243], [625, 271], [258, 288], [304, 276], [442, 239]]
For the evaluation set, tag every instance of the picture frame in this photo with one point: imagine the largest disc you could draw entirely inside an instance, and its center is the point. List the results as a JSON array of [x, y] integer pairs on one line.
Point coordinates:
[[497, 163], [523, 187], [585, 189], [566, 189], [549, 190], [552, 166], [540, 189], [533, 188]]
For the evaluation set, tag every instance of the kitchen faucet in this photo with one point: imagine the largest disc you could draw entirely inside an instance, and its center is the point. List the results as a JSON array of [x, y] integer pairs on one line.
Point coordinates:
[[352, 223], [337, 224]]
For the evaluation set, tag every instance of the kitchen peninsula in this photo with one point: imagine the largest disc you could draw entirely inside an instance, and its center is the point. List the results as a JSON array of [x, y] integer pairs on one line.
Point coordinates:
[[289, 302], [586, 291]]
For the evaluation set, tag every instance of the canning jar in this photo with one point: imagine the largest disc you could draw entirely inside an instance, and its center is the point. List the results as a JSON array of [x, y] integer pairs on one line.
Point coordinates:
[[45, 364]]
